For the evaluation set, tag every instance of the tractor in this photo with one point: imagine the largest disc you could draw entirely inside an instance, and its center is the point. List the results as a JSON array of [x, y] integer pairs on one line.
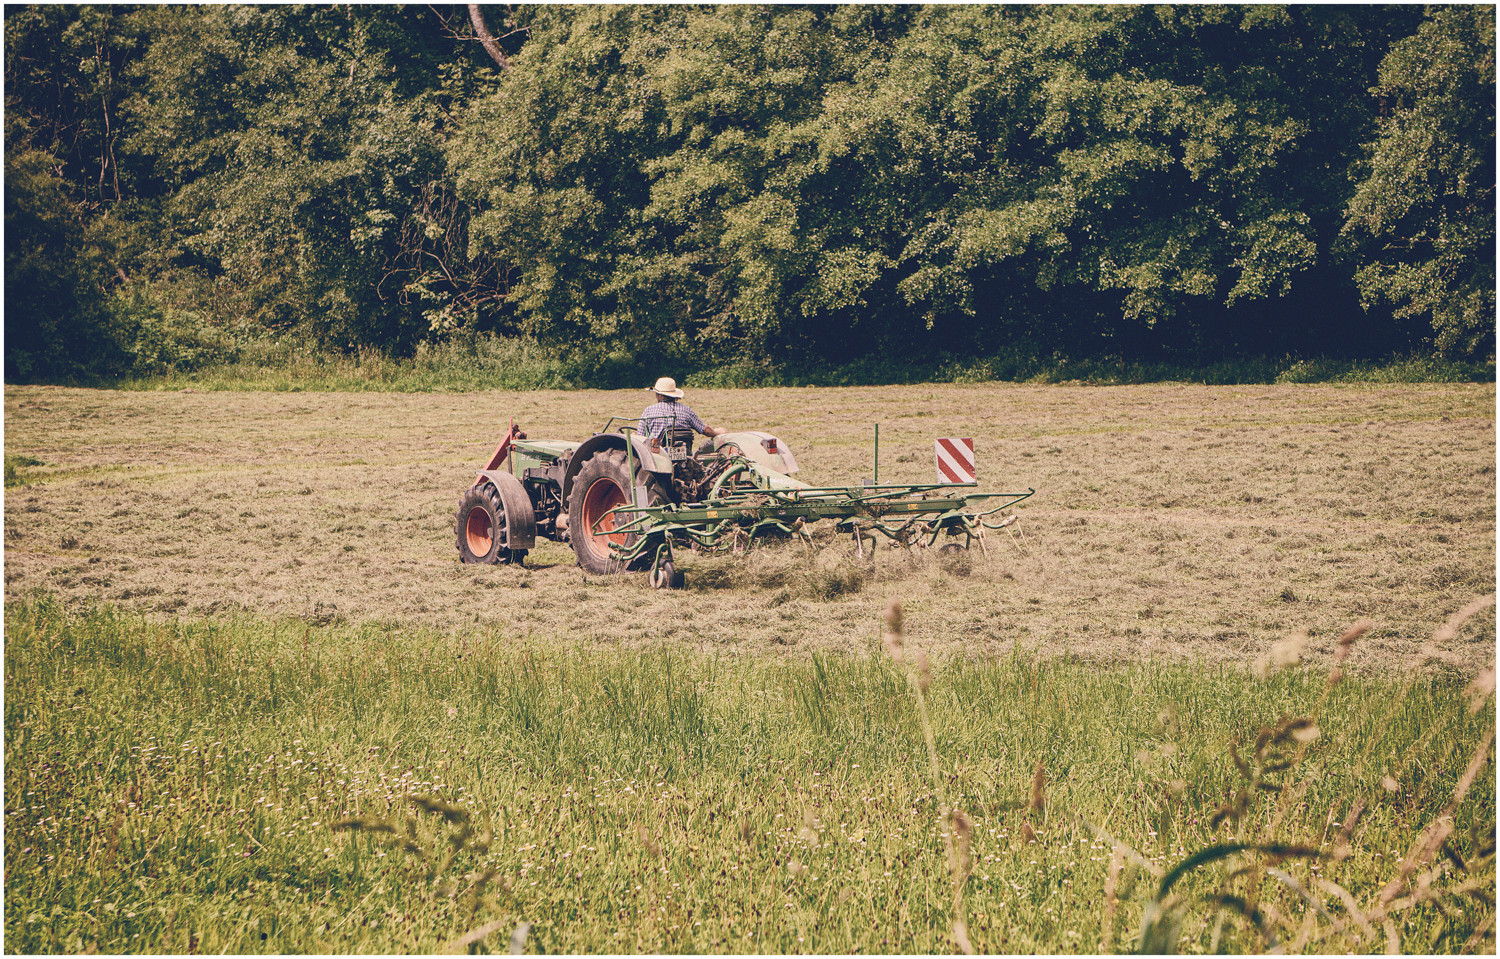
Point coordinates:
[[623, 500]]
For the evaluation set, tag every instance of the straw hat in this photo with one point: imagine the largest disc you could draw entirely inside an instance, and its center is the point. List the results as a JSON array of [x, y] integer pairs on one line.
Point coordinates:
[[667, 386]]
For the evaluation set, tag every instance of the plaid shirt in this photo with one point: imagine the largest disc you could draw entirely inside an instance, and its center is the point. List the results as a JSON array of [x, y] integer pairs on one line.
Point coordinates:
[[669, 414]]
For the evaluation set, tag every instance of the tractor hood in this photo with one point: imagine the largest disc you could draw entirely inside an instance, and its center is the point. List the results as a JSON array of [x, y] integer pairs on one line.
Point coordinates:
[[546, 449]]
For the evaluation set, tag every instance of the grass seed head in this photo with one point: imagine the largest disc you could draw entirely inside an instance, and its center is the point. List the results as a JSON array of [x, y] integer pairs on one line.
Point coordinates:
[[643, 835], [365, 823], [963, 826], [518, 939], [1350, 635], [1038, 798], [1341, 846], [1288, 652], [449, 811], [1171, 725], [963, 832], [1481, 689], [894, 617], [924, 670], [1449, 630], [1111, 900], [895, 647], [1283, 653], [961, 936], [894, 643], [1306, 734]]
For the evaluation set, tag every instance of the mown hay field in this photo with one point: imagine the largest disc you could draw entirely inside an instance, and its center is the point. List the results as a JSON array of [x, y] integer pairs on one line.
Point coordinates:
[[1226, 686], [1170, 520]]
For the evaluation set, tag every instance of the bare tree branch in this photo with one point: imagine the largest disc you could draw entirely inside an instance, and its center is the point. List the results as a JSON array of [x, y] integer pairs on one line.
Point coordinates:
[[491, 45]]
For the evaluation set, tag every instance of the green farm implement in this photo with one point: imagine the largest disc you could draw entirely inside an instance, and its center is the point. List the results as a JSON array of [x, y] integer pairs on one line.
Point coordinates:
[[625, 501]]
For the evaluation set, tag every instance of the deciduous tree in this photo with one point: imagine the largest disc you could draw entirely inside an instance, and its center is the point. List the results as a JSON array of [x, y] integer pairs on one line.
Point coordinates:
[[1424, 212]]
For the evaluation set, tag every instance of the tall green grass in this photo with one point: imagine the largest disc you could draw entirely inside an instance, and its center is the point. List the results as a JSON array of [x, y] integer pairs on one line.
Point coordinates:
[[247, 785], [476, 363], [484, 362]]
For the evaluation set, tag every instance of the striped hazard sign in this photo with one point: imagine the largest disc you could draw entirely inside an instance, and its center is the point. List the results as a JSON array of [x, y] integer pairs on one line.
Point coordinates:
[[955, 461]]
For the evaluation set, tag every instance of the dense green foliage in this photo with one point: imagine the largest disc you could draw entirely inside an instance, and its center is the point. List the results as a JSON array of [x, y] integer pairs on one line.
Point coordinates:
[[1428, 200], [749, 187], [177, 787], [478, 363]]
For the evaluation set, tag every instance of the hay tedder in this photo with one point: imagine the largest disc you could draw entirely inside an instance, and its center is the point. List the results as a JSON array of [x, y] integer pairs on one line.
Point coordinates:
[[625, 501]]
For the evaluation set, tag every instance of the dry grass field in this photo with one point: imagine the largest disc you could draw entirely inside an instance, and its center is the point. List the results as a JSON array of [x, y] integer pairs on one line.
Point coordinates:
[[1169, 520], [254, 703]]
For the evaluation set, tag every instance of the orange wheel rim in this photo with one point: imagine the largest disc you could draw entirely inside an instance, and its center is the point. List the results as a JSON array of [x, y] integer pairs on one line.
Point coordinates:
[[479, 532], [603, 496]]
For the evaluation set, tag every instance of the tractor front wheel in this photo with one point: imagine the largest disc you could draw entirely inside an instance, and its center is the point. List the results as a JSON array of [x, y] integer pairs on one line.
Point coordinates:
[[602, 484], [481, 528]]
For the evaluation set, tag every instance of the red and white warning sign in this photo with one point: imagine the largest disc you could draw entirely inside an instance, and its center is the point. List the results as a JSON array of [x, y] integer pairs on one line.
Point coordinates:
[[955, 461]]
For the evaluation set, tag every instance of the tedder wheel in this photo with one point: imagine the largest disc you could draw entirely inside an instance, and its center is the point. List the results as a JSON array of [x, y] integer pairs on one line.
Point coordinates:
[[481, 524], [662, 576], [666, 576], [603, 483]]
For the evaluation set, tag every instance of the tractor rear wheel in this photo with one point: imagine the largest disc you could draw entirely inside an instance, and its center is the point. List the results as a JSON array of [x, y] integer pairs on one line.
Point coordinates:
[[481, 528], [602, 484]]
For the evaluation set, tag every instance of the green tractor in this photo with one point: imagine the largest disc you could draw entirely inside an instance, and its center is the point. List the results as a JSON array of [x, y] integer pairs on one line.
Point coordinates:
[[625, 501]]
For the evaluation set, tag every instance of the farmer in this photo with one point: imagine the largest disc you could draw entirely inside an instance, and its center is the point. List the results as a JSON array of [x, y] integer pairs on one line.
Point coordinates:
[[668, 413]]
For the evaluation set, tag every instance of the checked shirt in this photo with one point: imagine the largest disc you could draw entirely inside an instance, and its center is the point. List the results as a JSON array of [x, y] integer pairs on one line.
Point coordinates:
[[660, 417]]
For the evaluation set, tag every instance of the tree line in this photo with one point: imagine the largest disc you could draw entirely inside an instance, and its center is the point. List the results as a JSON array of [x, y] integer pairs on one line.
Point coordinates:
[[776, 184]]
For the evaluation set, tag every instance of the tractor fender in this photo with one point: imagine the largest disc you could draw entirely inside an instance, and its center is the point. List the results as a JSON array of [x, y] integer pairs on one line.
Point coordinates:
[[520, 516], [757, 447], [654, 462]]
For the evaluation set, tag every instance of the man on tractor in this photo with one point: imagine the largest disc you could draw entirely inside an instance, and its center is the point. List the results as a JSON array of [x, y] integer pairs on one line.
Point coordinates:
[[668, 413]]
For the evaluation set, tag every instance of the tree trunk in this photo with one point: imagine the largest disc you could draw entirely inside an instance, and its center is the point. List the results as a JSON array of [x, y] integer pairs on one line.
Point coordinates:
[[487, 39]]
